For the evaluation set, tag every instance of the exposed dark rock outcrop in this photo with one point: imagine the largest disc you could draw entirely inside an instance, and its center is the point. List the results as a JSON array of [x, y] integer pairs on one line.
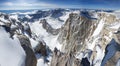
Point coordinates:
[[30, 56], [85, 62], [41, 48], [7, 28], [24, 40], [48, 27], [27, 29]]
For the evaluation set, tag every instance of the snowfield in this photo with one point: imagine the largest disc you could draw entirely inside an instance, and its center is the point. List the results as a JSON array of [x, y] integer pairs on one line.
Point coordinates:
[[11, 53]]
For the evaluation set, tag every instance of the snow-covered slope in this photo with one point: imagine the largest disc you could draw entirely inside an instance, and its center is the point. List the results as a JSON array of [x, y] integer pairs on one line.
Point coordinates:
[[11, 53]]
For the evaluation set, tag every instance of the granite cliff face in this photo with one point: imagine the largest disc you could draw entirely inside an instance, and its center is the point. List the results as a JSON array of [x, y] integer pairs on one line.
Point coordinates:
[[74, 32], [85, 36]]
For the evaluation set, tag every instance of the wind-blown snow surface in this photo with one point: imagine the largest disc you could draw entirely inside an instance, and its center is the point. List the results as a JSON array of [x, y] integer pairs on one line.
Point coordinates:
[[11, 52]]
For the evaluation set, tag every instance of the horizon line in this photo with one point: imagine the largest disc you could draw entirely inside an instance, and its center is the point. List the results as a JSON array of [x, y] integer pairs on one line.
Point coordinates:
[[64, 8]]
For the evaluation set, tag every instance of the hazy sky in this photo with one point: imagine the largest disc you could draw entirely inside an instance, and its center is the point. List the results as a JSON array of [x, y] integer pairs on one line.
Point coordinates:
[[41, 4]]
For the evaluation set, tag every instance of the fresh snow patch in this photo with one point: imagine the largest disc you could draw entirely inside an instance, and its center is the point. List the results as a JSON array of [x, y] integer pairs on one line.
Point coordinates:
[[38, 29], [40, 62], [52, 42], [99, 57], [65, 16], [13, 26], [115, 26], [99, 28], [33, 43]]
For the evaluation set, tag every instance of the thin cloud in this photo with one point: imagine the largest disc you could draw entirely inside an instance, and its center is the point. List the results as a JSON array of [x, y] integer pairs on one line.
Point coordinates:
[[7, 4], [42, 4], [34, 5], [15, 6]]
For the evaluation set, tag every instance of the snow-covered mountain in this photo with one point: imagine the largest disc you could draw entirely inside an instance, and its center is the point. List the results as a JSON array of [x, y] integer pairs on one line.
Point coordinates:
[[60, 37]]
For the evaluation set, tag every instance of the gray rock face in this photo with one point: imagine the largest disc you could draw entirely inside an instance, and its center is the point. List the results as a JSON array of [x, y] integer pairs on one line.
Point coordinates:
[[78, 31], [112, 61], [24, 40], [48, 28], [27, 29], [61, 59], [75, 30], [41, 48], [117, 36], [30, 56]]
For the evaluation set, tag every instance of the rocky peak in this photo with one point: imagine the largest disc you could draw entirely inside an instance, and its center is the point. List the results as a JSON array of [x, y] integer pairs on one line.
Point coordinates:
[[82, 34], [76, 29]]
